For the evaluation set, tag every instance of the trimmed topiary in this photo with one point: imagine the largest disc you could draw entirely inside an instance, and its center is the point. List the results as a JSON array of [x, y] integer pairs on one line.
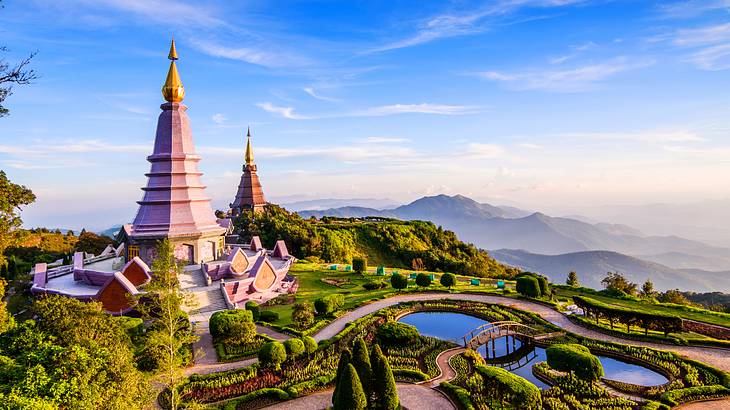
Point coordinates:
[[448, 280], [529, 286], [310, 345], [397, 333], [268, 316], [574, 358], [294, 348], [234, 326], [351, 395], [398, 281], [345, 357], [359, 264], [329, 304], [253, 307], [509, 388], [361, 361], [272, 354], [423, 280], [385, 392]]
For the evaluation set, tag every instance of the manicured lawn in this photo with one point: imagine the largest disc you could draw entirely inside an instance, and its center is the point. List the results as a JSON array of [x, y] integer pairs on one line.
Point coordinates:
[[715, 318], [311, 286]]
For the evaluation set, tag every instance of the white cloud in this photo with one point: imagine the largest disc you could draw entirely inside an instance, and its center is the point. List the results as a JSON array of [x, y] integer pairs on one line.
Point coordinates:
[[692, 8], [249, 55], [286, 112], [651, 136], [218, 118], [378, 111], [576, 79], [484, 150], [159, 11], [314, 94], [712, 58], [383, 140], [703, 35], [529, 145]]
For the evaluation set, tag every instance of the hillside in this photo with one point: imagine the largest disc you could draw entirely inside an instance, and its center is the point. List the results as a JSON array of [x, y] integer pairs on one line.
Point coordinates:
[[403, 244], [592, 266]]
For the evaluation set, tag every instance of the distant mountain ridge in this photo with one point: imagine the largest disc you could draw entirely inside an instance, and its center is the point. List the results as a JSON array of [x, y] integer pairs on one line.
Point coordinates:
[[495, 227]]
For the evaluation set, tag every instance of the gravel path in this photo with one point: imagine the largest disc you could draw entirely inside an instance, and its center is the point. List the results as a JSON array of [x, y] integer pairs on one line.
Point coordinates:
[[412, 396]]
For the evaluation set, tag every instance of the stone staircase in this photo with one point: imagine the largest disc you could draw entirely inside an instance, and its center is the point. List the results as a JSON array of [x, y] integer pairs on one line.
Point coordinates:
[[208, 298]]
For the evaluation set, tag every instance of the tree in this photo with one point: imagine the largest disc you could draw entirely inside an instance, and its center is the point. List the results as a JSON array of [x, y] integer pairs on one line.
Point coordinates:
[[674, 296], [573, 279], [398, 281], [423, 280], [529, 286], [385, 392], [303, 314], [351, 395], [169, 334], [417, 264], [6, 319], [294, 348], [616, 282], [234, 326], [345, 357], [18, 74], [327, 305], [647, 289], [12, 197], [448, 280], [359, 264], [92, 243], [361, 361], [272, 354]]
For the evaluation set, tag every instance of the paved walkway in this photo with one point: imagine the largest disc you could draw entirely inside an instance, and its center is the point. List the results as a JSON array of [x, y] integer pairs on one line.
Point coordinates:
[[412, 396], [447, 372]]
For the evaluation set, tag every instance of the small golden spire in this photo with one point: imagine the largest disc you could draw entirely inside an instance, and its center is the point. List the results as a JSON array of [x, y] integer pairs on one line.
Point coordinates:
[[173, 90], [249, 150]]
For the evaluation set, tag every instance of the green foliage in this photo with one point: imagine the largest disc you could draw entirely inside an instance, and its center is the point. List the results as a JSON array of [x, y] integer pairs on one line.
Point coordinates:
[[234, 326], [361, 361], [92, 243], [502, 386], [294, 348], [385, 392], [6, 319], [345, 357], [448, 280], [329, 304], [574, 358], [398, 281], [240, 402], [12, 197], [573, 279], [351, 395], [529, 286], [648, 320], [272, 354], [268, 316], [253, 307], [676, 397], [616, 282], [397, 243], [397, 333], [673, 296], [73, 356], [461, 395], [310, 345], [544, 285], [423, 280], [303, 314], [359, 264], [647, 289], [374, 285]]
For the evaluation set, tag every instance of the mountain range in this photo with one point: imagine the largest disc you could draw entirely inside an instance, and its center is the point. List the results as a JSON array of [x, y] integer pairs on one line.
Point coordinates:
[[552, 245]]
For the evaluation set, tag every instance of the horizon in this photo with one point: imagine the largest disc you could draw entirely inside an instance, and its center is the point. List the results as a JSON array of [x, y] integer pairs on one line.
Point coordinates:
[[551, 106]]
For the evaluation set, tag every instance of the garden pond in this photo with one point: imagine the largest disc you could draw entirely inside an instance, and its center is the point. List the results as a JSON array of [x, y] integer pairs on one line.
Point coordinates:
[[510, 354]]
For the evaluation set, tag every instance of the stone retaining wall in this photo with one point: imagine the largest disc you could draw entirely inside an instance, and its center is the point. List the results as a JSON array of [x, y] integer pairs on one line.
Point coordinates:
[[718, 332]]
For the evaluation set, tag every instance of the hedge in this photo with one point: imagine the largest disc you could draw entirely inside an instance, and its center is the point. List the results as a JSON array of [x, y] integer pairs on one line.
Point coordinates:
[[396, 333], [410, 374], [274, 393], [528, 285], [574, 358], [654, 321], [654, 405], [253, 307], [272, 354], [306, 387], [461, 395], [500, 383], [268, 316], [329, 304], [676, 397], [222, 321]]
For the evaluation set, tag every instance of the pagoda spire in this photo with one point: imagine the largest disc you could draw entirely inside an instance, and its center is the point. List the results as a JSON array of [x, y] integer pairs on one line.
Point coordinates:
[[173, 90], [249, 150]]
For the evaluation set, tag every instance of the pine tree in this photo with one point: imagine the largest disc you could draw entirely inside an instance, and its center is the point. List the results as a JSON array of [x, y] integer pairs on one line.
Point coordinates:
[[345, 358], [361, 362], [350, 395], [385, 392], [573, 279]]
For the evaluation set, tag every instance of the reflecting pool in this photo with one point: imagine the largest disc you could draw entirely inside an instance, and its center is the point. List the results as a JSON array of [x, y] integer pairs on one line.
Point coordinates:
[[511, 354]]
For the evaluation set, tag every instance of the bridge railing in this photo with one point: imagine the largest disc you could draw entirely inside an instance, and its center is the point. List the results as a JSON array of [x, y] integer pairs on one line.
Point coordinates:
[[495, 330]]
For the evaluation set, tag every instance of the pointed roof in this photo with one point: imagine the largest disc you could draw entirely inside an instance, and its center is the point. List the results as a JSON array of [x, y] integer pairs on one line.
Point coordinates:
[[249, 150], [173, 90], [250, 194]]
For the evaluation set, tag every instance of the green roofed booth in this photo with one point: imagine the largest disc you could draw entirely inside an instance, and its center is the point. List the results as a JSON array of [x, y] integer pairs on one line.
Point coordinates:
[[500, 284], [432, 276], [333, 267], [380, 271], [348, 268], [475, 282], [413, 275]]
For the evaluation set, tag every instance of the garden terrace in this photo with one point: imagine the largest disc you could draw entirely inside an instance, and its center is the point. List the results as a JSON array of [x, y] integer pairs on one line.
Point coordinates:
[[647, 320]]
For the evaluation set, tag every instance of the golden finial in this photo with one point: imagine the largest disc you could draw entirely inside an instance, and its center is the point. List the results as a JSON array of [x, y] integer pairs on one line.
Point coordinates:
[[173, 90], [249, 150]]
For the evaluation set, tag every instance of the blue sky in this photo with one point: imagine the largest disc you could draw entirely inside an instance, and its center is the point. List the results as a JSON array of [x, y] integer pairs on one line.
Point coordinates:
[[536, 103]]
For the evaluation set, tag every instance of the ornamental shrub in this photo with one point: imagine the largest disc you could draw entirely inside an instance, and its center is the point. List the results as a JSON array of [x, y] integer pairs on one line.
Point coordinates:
[[272, 354], [528, 285], [233, 325], [505, 387], [310, 345], [574, 358], [448, 280], [351, 395], [423, 280], [361, 361], [303, 314], [268, 316], [374, 285], [398, 281], [385, 392], [329, 304], [397, 333], [544, 285], [294, 348], [359, 264], [253, 307], [345, 357]]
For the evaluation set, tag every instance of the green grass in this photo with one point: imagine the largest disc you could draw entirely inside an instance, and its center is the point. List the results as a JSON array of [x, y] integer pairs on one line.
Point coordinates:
[[311, 287], [700, 315]]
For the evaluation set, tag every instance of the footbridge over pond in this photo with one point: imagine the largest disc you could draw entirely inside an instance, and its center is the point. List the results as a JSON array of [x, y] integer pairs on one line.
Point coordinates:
[[495, 330]]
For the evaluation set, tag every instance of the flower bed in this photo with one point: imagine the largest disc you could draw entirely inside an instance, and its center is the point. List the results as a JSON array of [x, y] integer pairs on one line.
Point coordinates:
[[231, 353]]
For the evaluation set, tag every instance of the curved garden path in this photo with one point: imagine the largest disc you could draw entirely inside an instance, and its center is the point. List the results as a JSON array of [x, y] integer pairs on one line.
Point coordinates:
[[412, 396], [716, 357]]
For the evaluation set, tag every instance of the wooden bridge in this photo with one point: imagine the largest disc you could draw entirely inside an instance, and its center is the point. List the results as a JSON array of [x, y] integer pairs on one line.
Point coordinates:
[[492, 331]]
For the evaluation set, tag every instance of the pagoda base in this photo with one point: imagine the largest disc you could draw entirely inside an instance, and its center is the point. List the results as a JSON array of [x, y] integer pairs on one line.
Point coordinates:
[[189, 249]]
